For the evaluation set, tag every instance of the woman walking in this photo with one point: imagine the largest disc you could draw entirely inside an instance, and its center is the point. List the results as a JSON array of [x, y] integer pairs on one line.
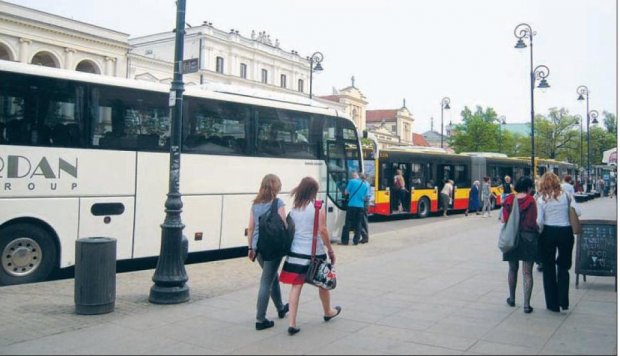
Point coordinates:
[[556, 237], [485, 194], [527, 245], [298, 260], [269, 285]]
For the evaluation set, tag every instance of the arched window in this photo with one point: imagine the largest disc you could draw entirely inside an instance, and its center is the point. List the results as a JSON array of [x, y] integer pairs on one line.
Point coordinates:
[[88, 67], [300, 85], [5, 54], [45, 59], [219, 64]]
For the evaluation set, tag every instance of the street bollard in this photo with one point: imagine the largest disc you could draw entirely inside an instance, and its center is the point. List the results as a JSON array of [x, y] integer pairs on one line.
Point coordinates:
[[95, 275]]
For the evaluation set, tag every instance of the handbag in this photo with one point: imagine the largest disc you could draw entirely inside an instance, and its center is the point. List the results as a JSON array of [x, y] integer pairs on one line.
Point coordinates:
[[510, 230], [320, 272], [574, 219]]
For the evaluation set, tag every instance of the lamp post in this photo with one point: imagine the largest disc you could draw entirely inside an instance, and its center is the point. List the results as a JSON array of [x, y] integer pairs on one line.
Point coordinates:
[[583, 90], [502, 121], [445, 104], [580, 121], [592, 116], [541, 72], [170, 276], [316, 57]]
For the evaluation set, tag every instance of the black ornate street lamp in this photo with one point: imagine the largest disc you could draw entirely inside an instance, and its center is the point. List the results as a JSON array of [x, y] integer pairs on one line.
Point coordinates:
[[592, 118], [579, 120], [315, 66], [170, 276], [583, 90], [502, 121], [445, 104], [541, 73]]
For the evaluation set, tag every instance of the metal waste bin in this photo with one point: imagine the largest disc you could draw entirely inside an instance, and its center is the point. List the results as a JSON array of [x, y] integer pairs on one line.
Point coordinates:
[[95, 275]]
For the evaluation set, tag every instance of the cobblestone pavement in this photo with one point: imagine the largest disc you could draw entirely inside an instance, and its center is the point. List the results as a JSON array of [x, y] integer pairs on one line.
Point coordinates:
[[432, 288]]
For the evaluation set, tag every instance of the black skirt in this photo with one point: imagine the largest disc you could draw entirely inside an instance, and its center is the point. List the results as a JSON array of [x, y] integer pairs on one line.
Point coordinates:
[[526, 250]]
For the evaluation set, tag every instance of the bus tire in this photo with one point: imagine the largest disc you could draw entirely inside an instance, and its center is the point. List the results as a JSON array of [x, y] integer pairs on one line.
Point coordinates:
[[424, 207], [29, 254]]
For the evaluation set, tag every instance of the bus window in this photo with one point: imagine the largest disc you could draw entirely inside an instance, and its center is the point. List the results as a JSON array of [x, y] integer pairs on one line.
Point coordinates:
[[420, 175], [216, 128], [461, 179], [127, 119]]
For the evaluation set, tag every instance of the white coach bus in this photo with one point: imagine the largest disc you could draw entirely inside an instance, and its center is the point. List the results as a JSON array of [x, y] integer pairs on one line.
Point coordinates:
[[83, 155]]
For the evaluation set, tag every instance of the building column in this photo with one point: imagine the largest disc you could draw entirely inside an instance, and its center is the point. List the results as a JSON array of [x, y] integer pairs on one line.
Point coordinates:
[[69, 52], [110, 66], [24, 51]]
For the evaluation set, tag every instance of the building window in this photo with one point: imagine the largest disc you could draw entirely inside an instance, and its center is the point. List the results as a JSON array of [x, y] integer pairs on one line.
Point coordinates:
[[243, 71], [300, 85], [219, 64], [264, 74], [283, 81]]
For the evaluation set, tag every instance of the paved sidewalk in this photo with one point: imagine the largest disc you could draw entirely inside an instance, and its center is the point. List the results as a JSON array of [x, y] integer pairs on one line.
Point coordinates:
[[433, 288]]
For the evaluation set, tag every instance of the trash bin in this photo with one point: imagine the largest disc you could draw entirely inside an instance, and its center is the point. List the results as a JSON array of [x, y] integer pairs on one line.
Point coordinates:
[[95, 275]]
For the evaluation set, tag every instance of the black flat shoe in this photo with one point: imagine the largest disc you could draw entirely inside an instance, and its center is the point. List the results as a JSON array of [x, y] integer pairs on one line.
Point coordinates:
[[266, 324], [563, 308], [293, 331], [282, 313], [528, 310], [328, 318], [556, 309], [510, 302]]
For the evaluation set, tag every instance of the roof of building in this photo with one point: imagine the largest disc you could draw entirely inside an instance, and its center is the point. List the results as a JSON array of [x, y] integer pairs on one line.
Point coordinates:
[[419, 140], [335, 98], [380, 115], [431, 136]]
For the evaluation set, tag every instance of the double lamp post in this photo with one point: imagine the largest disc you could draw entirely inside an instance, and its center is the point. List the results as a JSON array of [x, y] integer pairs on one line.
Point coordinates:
[[591, 117], [540, 73]]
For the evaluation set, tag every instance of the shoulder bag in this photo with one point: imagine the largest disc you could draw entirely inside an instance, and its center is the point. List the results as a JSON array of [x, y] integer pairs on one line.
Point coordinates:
[[320, 272], [510, 230], [574, 219]]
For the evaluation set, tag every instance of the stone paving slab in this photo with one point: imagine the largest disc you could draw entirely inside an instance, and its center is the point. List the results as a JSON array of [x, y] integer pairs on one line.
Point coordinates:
[[433, 288]]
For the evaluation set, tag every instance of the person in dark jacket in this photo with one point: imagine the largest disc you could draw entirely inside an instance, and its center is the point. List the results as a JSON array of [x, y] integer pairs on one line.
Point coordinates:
[[527, 245]]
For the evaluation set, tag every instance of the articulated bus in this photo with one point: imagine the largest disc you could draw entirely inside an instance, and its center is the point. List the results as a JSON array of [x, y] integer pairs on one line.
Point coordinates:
[[426, 169], [83, 155]]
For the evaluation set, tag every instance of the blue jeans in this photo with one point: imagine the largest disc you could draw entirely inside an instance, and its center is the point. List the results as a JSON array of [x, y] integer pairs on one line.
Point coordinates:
[[269, 286]]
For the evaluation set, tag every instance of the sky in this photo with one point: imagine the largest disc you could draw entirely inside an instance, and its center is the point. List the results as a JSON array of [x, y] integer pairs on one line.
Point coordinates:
[[420, 51]]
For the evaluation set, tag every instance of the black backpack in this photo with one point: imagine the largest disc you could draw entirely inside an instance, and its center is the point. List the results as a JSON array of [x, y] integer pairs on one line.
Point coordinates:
[[274, 239]]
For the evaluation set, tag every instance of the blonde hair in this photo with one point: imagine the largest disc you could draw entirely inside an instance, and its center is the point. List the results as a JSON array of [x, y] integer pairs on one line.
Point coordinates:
[[269, 189], [549, 186]]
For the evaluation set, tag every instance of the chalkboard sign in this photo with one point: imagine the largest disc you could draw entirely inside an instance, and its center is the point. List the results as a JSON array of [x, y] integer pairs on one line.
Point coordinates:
[[596, 249]]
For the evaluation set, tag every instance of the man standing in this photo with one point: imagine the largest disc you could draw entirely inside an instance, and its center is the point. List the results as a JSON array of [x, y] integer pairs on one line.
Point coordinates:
[[357, 191], [369, 193]]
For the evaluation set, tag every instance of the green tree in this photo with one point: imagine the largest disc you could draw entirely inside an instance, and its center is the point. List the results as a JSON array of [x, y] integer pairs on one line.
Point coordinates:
[[600, 140], [478, 131], [556, 135], [610, 122]]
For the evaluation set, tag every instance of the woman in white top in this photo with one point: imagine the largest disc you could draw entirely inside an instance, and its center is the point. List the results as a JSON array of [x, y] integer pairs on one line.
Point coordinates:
[[298, 259], [556, 237]]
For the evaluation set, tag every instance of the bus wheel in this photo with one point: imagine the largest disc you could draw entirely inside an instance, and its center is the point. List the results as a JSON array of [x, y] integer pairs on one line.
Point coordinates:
[[28, 254], [424, 208]]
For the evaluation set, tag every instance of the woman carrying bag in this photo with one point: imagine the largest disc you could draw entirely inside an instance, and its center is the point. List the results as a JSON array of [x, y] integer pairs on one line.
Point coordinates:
[[556, 237], [527, 241], [298, 260]]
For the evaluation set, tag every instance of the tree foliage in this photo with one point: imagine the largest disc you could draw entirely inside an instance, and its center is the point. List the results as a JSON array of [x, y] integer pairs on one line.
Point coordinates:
[[557, 136]]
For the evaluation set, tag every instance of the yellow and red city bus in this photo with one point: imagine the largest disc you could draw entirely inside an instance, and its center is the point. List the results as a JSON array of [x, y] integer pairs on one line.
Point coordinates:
[[426, 169]]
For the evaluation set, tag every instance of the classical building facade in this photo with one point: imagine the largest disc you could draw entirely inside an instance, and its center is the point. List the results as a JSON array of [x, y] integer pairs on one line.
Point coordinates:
[[392, 127], [35, 37], [353, 101]]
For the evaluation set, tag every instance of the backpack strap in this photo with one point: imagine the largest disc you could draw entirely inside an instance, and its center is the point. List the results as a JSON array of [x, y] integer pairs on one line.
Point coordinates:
[[317, 207], [274, 207]]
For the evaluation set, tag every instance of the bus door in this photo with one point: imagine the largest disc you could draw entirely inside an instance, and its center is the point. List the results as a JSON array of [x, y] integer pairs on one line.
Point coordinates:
[[400, 201], [445, 172]]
